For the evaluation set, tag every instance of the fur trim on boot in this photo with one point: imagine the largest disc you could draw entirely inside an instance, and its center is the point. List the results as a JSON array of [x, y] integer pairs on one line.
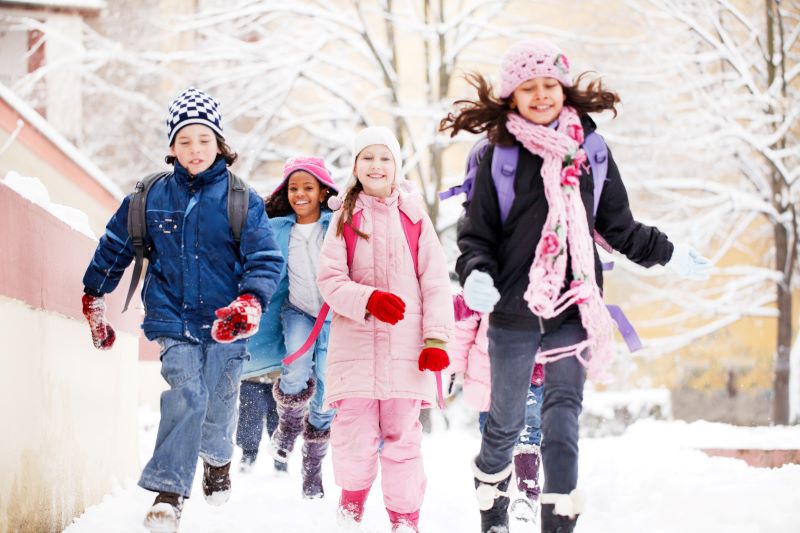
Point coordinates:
[[291, 408], [560, 511], [492, 493], [315, 448]]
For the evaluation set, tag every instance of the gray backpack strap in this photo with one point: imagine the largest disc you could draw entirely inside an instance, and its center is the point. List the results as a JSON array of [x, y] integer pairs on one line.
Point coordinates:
[[137, 228], [237, 205]]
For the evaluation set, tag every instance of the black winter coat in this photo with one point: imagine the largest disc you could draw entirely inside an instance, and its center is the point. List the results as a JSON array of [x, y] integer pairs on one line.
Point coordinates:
[[506, 251]]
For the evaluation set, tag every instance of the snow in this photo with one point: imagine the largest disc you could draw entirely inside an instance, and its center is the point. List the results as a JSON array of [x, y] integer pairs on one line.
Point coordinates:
[[34, 190], [652, 478], [62, 4], [34, 119]]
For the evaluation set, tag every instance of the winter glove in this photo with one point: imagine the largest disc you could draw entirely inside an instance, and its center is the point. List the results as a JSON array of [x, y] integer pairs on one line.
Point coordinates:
[[479, 292], [386, 307], [688, 263], [237, 321], [94, 309], [433, 357]]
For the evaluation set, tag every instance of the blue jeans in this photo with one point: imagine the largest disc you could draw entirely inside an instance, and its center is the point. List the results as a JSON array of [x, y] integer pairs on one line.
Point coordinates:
[[511, 353], [532, 432], [297, 326], [256, 404], [198, 412]]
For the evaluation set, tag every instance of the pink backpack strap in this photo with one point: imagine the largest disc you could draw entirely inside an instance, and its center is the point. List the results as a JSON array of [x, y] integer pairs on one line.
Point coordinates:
[[412, 232], [351, 238]]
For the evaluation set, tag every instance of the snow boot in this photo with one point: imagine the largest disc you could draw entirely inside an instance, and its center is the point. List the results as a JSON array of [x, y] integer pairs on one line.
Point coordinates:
[[493, 500], [315, 446], [216, 483], [525, 506], [560, 511], [290, 409], [351, 507], [165, 514], [404, 522], [248, 461]]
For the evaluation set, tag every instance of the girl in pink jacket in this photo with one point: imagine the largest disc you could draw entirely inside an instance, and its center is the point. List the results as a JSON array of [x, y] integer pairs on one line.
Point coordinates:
[[392, 319], [469, 353]]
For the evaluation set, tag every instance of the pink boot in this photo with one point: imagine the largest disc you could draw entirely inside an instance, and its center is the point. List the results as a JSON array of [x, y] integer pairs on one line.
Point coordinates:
[[351, 505], [404, 522]]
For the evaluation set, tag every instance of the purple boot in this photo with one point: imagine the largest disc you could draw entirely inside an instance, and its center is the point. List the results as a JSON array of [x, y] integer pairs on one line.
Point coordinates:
[[526, 469], [291, 408], [314, 449]]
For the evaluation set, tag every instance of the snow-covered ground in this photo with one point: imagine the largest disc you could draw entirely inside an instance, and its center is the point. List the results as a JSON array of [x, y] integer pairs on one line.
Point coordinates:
[[649, 480]]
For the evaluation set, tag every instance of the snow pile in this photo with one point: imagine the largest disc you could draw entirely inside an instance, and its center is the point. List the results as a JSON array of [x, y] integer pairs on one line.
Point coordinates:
[[34, 190], [611, 412]]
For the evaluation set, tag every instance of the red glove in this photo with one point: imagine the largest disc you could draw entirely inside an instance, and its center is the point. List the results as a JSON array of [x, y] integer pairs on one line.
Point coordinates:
[[386, 307], [434, 359], [94, 309], [237, 321]]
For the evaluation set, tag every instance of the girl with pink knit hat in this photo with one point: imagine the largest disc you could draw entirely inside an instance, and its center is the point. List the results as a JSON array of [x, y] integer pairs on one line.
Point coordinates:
[[299, 218], [535, 268], [392, 318]]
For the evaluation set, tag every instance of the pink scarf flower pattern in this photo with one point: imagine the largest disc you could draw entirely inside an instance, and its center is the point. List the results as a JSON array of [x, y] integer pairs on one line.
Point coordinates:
[[565, 228]]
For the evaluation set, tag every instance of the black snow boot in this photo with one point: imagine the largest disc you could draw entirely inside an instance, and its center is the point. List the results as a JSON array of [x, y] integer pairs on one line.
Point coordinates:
[[493, 500], [290, 409], [165, 514], [216, 483], [314, 449], [556, 523]]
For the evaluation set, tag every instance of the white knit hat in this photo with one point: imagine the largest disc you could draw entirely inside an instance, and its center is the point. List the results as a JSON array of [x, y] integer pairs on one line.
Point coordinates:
[[368, 137]]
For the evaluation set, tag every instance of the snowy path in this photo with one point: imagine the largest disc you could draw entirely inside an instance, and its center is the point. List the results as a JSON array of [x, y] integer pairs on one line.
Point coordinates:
[[647, 481]]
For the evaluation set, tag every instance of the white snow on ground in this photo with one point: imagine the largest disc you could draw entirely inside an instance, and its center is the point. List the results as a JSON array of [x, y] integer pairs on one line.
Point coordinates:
[[649, 480]]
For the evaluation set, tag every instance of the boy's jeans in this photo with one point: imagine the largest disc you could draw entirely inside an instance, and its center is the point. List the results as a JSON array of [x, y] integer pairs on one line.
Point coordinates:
[[297, 325], [511, 353], [198, 412]]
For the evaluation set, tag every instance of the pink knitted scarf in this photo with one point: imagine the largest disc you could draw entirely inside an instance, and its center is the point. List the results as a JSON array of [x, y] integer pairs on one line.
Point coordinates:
[[566, 228]]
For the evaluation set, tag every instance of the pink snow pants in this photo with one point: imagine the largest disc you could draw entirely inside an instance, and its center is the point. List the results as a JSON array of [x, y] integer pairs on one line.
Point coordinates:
[[356, 433]]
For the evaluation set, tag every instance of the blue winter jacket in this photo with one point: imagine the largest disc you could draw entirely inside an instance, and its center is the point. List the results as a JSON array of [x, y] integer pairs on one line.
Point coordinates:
[[267, 347], [194, 265]]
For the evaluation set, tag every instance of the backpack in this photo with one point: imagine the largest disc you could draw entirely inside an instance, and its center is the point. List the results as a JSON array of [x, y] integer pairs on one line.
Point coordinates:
[[504, 170], [137, 225]]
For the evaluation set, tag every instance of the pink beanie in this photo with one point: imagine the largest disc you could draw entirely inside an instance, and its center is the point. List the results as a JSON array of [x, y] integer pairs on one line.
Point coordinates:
[[532, 59], [313, 165]]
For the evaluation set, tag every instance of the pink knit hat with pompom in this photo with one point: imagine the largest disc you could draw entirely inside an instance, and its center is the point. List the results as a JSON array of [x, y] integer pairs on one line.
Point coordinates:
[[532, 59], [313, 165]]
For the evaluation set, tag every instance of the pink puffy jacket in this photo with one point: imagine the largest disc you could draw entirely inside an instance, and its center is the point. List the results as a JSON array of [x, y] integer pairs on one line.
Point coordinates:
[[469, 356], [368, 358]]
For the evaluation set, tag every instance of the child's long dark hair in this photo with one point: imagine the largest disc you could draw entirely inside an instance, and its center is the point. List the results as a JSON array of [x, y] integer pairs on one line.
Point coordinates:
[[489, 114], [348, 206], [225, 153], [277, 205]]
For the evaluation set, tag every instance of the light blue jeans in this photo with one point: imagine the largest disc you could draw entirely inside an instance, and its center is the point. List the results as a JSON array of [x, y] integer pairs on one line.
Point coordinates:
[[198, 412], [297, 326]]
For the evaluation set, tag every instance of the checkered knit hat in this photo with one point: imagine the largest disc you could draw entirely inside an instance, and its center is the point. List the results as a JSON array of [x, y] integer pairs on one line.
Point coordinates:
[[532, 59], [193, 106]]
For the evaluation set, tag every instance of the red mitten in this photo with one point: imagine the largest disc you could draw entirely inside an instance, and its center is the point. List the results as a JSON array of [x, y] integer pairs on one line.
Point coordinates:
[[537, 378], [386, 307], [94, 309], [434, 359], [237, 321]]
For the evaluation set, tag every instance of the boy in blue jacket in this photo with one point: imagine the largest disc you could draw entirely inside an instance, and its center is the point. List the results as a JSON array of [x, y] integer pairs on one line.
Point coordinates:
[[203, 295]]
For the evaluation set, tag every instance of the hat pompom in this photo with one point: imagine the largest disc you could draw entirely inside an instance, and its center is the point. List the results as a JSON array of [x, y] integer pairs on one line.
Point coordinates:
[[334, 203]]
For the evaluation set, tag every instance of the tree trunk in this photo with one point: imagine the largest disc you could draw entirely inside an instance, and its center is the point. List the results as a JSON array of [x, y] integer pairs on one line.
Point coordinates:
[[780, 386]]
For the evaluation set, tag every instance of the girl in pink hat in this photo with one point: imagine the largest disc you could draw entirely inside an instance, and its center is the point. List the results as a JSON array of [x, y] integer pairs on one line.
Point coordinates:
[[392, 318], [299, 218], [528, 258]]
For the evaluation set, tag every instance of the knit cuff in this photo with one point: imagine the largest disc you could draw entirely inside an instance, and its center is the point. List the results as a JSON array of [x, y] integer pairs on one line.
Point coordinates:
[[435, 343]]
